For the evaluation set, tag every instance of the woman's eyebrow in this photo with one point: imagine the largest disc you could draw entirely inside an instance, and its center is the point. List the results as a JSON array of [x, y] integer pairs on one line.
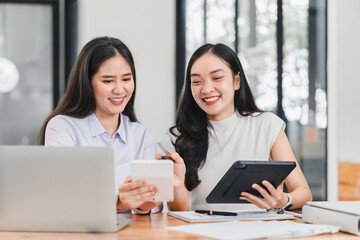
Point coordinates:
[[107, 76], [195, 75], [127, 74], [217, 70], [111, 76], [212, 72]]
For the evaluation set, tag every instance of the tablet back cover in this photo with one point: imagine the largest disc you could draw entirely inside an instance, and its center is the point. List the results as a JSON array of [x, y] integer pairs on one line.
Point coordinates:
[[242, 174]]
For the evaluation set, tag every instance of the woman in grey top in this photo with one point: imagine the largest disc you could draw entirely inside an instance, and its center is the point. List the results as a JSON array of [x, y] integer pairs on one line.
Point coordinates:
[[218, 123]]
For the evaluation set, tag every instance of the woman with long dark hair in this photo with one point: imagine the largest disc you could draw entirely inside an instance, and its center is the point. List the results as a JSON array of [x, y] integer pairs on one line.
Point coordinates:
[[218, 122], [97, 109]]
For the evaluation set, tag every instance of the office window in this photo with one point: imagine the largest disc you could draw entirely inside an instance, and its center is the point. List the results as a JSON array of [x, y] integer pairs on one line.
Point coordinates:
[[282, 46], [32, 68]]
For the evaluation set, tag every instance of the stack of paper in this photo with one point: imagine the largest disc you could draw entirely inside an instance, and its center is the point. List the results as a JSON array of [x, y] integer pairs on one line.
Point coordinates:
[[255, 229], [245, 215]]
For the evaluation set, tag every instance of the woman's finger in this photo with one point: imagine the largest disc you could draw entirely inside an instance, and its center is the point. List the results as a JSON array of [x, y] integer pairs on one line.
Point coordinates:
[[270, 188], [177, 158], [260, 202], [159, 155], [261, 190], [131, 185]]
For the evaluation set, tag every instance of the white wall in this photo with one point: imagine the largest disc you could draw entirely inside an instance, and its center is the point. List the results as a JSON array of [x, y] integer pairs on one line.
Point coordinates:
[[343, 87], [349, 80], [148, 29]]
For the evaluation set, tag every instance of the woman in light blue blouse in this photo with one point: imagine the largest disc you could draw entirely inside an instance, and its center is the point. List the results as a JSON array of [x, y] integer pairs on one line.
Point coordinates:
[[97, 109]]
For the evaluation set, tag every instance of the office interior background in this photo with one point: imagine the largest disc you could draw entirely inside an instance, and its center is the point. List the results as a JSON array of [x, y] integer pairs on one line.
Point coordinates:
[[300, 57]]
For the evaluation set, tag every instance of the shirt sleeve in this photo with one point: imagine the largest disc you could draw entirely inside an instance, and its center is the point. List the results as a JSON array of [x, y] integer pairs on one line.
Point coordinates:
[[150, 145], [166, 142], [59, 133], [156, 209], [275, 125]]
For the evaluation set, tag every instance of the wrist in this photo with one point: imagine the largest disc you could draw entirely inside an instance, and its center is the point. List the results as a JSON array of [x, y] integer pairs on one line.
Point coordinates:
[[284, 206], [141, 212], [283, 201]]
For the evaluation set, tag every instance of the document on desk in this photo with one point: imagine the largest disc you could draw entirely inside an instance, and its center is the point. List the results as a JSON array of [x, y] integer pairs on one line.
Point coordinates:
[[255, 229], [242, 215]]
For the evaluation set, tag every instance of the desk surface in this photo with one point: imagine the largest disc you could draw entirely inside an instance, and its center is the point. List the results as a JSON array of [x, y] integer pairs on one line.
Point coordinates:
[[142, 227]]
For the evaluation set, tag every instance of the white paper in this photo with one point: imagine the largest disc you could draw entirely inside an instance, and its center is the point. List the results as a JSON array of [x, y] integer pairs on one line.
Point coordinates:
[[255, 229], [244, 215]]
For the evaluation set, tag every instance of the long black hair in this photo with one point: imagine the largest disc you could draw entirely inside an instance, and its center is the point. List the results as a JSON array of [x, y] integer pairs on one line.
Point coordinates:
[[78, 100], [191, 121]]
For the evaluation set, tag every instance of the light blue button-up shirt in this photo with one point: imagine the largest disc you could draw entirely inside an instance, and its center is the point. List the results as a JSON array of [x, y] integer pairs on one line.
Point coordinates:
[[130, 142]]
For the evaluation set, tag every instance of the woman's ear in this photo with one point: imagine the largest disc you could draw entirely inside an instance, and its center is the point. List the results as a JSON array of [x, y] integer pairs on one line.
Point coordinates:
[[237, 81]]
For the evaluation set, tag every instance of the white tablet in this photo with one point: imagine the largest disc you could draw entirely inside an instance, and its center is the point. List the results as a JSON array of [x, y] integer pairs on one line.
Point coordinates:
[[155, 172]]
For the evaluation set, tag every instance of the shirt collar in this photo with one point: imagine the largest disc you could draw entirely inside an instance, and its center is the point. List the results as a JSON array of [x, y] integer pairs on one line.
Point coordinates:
[[97, 129], [122, 129]]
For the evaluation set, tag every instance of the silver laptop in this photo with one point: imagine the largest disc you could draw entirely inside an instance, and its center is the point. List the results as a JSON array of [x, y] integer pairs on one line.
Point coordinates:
[[58, 189]]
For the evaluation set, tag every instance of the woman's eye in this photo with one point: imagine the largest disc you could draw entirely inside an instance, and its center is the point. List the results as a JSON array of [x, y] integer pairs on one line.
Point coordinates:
[[218, 78], [126, 79], [195, 81], [107, 81]]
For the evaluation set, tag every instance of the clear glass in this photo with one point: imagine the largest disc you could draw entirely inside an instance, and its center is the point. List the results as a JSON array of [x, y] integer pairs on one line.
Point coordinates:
[[304, 88], [257, 49], [194, 26], [220, 22], [26, 40]]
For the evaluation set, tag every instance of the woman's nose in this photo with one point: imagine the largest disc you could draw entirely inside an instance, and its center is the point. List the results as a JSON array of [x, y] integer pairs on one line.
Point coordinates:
[[118, 88], [207, 87]]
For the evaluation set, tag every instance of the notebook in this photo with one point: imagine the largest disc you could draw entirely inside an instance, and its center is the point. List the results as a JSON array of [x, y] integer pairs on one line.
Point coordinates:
[[242, 215], [345, 214], [68, 189], [349, 207]]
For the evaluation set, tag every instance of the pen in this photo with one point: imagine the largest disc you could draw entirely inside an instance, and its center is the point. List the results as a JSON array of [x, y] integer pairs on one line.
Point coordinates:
[[210, 212], [167, 158]]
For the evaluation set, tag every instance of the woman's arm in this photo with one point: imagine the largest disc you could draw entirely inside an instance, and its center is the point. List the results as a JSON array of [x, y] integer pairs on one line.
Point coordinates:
[[181, 194], [59, 132], [295, 182]]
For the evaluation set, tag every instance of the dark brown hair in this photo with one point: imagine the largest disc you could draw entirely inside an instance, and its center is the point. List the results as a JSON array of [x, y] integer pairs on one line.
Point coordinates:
[[78, 100], [191, 121]]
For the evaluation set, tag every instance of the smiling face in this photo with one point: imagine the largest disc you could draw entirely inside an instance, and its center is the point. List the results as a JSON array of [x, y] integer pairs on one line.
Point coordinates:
[[213, 86], [113, 86]]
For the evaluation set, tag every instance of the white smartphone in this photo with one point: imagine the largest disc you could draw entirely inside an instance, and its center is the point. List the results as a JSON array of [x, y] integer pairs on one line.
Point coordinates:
[[155, 172]]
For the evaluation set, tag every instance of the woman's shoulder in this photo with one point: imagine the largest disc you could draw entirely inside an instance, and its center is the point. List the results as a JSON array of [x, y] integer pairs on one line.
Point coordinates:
[[265, 116], [264, 119], [268, 119], [65, 120]]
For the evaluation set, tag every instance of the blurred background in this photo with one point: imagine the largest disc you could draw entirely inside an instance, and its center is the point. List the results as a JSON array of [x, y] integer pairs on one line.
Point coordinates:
[[300, 58]]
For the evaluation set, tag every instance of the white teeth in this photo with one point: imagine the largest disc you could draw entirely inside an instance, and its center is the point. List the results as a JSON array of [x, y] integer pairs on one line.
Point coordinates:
[[116, 99], [211, 99]]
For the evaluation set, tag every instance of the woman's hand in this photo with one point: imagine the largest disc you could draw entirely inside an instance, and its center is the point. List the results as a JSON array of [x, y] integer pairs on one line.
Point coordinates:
[[135, 194], [275, 199], [181, 194], [179, 169]]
